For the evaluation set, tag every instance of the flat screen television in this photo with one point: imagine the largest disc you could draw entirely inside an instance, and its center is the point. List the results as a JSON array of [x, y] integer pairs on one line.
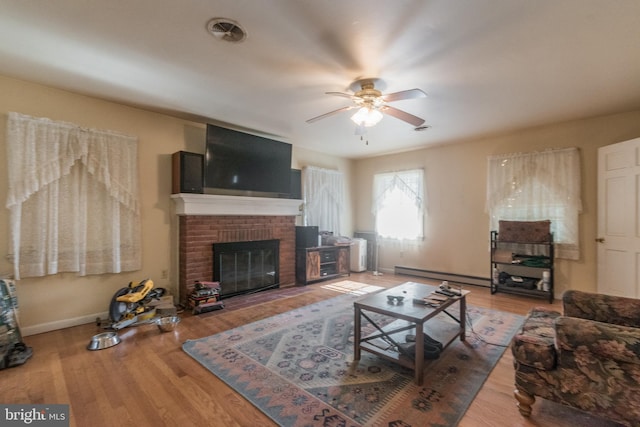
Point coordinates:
[[247, 163]]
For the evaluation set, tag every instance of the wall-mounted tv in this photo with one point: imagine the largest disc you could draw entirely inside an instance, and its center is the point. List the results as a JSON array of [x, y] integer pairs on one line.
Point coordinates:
[[247, 163]]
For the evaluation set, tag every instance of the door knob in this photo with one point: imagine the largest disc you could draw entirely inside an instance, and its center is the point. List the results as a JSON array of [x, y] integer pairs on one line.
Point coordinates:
[[600, 240]]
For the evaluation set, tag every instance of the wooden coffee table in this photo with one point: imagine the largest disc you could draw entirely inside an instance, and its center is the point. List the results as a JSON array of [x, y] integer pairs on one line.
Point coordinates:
[[415, 315]]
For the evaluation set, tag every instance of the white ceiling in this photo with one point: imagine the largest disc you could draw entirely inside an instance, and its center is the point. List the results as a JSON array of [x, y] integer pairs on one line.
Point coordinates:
[[488, 66]]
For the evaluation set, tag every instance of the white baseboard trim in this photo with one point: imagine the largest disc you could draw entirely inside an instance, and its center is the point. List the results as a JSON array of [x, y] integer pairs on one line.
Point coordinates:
[[62, 324]]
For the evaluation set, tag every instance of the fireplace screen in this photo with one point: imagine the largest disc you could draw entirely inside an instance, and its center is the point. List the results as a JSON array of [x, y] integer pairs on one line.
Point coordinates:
[[243, 267]]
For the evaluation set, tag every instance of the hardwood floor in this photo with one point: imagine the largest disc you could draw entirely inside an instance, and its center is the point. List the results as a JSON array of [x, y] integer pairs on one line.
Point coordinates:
[[148, 380]]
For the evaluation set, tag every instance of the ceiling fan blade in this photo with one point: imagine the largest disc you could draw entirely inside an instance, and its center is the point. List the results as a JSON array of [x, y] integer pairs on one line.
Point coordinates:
[[330, 113], [403, 115], [342, 94], [404, 94]]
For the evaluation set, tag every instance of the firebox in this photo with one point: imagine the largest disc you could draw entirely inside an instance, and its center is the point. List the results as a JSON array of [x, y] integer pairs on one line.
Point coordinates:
[[244, 267]]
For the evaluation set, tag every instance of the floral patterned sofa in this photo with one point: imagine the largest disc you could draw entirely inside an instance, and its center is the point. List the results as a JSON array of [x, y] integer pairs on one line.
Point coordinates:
[[588, 357]]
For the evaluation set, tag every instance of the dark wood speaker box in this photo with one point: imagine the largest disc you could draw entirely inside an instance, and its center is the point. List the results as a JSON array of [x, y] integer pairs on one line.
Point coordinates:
[[187, 172], [296, 184], [306, 236]]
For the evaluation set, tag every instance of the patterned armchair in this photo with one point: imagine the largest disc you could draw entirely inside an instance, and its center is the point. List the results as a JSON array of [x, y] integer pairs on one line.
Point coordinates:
[[588, 358]]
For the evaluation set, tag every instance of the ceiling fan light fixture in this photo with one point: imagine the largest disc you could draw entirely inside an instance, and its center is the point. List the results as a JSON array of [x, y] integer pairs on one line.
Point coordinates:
[[367, 117], [372, 105]]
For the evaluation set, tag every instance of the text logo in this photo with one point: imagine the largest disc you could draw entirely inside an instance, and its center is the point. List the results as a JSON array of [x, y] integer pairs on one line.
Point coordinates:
[[34, 415]]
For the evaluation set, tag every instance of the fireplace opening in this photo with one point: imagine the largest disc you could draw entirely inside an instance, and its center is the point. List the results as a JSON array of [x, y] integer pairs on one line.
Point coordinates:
[[244, 267]]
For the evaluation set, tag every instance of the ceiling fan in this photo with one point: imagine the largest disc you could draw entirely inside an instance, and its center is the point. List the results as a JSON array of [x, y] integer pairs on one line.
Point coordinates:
[[372, 105]]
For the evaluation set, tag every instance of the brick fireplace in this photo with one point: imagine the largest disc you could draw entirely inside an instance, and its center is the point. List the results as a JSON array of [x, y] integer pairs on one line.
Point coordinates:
[[207, 219]]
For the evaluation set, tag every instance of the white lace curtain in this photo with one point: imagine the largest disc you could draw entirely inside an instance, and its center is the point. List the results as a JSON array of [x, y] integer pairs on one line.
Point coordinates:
[[73, 198], [323, 193], [538, 186], [398, 204]]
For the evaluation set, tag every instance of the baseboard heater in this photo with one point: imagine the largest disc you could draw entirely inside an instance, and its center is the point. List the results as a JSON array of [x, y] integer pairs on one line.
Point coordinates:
[[439, 275]]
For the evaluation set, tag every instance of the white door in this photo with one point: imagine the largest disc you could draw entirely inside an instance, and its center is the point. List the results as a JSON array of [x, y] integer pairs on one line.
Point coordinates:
[[619, 219]]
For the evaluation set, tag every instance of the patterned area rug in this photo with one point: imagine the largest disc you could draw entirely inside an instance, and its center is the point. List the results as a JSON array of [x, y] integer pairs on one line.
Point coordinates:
[[298, 368]]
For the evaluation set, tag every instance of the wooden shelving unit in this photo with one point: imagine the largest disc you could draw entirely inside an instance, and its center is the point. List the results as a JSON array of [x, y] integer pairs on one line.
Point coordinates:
[[322, 263], [528, 264]]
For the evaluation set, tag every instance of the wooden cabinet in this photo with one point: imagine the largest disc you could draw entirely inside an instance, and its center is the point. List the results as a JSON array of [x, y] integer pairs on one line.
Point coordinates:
[[344, 260], [321, 263], [312, 266], [524, 268]]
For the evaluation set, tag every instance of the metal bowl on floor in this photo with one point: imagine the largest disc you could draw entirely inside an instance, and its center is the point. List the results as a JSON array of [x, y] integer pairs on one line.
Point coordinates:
[[168, 323], [103, 340]]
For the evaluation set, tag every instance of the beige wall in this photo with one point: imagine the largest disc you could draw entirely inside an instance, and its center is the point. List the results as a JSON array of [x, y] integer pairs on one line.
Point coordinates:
[[456, 225], [65, 299]]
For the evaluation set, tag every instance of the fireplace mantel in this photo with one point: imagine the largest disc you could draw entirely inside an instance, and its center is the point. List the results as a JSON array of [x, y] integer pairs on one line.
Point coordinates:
[[212, 204]]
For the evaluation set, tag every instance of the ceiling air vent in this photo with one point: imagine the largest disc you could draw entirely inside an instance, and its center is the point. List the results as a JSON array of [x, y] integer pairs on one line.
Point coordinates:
[[226, 29]]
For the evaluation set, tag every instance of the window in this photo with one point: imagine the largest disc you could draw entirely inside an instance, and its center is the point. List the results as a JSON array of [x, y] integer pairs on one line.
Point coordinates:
[[398, 204], [73, 199], [538, 186]]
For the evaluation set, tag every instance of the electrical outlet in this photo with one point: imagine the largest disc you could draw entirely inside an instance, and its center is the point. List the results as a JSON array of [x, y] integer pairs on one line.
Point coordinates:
[[164, 274]]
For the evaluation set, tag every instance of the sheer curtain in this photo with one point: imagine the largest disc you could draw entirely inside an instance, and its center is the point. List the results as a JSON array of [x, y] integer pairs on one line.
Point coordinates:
[[72, 197], [323, 193], [398, 204], [538, 186]]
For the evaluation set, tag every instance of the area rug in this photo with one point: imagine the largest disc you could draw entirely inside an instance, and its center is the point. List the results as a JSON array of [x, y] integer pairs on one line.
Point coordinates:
[[298, 368]]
